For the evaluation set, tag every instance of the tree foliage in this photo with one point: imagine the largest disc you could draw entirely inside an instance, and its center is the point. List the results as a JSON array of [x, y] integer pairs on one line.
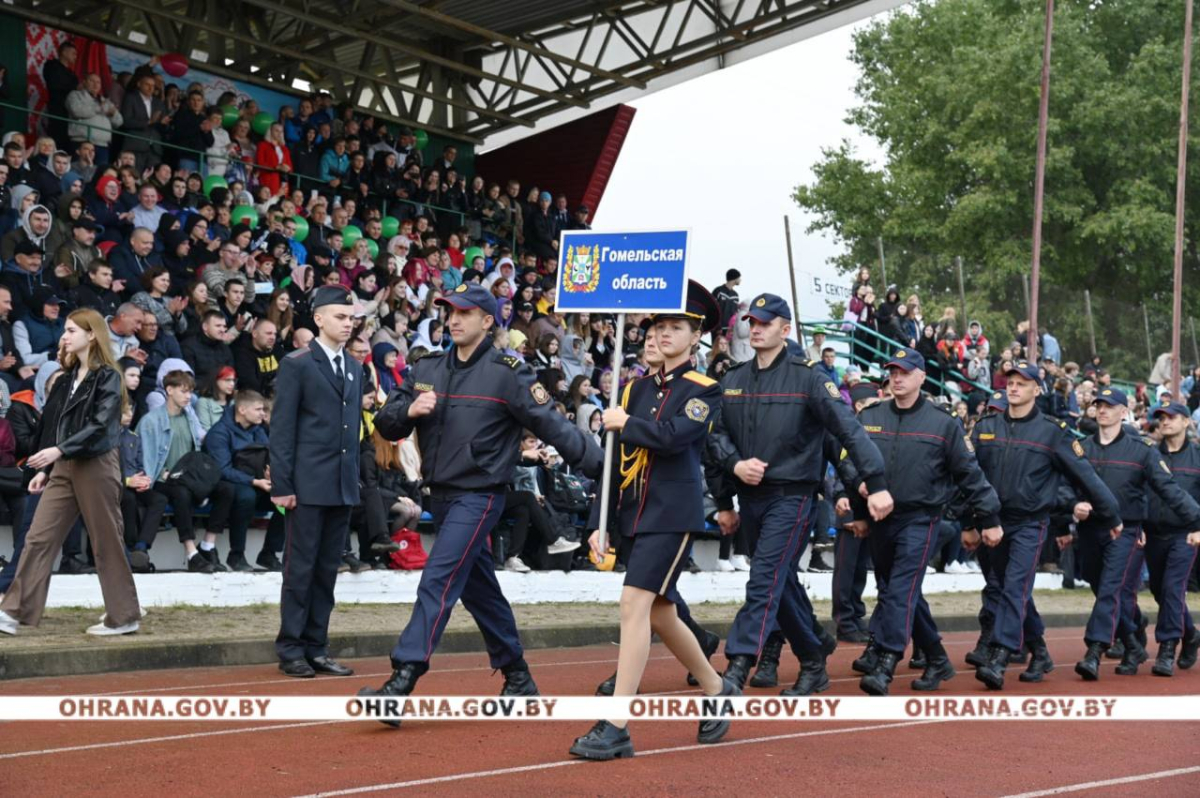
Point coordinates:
[[950, 89]]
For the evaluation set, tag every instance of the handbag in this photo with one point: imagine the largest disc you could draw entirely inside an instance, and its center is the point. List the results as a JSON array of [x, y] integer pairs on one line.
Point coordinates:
[[197, 472]]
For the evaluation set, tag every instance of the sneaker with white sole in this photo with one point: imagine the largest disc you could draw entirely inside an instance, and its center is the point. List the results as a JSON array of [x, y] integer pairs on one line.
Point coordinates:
[[8, 624], [562, 546], [957, 567], [725, 566], [515, 564], [739, 562], [142, 610], [100, 630], [973, 567], [929, 569]]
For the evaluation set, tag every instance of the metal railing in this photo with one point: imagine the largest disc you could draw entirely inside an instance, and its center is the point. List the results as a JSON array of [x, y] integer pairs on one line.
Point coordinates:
[[302, 181]]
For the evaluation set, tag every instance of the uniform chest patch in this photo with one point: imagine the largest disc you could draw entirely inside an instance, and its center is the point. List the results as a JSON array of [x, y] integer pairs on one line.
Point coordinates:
[[733, 391], [987, 436], [540, 394], [872, 428], [1077, 447], [423, 386], [696, 410]]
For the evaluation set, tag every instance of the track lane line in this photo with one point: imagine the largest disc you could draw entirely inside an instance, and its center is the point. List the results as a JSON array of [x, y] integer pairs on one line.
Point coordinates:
[[1092, 785], [480, 774]]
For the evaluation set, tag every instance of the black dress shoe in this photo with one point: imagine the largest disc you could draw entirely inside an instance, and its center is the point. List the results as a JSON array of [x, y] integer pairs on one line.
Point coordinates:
[[711, 731], [330, 667], [268, 561], [74, 565], [298, 668], [603, 742], [608, 686], [384, 546]]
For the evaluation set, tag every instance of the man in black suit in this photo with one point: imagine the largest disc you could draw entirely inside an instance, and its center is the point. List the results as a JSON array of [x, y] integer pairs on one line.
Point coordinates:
[[144, 116], [314, 477], [61, 80]]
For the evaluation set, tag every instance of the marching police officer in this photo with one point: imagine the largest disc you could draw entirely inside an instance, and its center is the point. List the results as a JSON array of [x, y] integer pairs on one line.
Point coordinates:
[[927, 455], [1168, 555], [771, 440], [661, 433], [314, 478], [468, 407], [1129, 465], [1025, 455], [709, 641]]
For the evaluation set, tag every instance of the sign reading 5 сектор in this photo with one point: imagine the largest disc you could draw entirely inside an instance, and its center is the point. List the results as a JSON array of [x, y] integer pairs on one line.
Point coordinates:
[[622, 272]]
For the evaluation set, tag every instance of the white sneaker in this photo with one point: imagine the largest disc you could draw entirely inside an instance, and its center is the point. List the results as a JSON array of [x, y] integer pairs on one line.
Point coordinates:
[[8, 624], [957, 567], [515, 564], [725, 566], [929, 569], [100, 630], [973, 567], [142, 610], [562, 546], [739, 562]]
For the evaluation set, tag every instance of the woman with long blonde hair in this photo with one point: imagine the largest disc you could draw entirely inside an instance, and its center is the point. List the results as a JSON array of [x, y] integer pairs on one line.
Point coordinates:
[[78, 473]]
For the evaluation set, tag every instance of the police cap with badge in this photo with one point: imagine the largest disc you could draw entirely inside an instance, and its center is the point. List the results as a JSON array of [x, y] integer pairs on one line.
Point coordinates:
[[906, 359], [768, 307], [469, 296], [331, 295], [700, 307]]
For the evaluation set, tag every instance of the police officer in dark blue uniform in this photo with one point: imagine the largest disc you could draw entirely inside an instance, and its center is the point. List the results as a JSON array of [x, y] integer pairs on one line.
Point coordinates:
[[1130, 466], [314, 478], [1168, 556], [1026, 456], [660, 504], [771, 441], [468, 407], [926, 456]]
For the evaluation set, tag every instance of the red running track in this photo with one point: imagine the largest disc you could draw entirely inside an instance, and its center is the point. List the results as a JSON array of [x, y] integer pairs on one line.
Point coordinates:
[[763, 758]]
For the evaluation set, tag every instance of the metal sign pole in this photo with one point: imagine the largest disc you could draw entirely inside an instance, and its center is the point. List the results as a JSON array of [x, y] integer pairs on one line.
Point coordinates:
[[610, 438]]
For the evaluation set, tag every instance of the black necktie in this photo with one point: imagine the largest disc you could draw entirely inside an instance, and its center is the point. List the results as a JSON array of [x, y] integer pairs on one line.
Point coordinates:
[[337, 367]]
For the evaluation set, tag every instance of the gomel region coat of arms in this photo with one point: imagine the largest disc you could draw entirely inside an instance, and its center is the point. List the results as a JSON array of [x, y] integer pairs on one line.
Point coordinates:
[[582, 272]]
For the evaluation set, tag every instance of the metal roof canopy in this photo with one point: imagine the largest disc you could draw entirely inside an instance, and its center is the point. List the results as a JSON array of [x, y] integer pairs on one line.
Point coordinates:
[[469, 69]]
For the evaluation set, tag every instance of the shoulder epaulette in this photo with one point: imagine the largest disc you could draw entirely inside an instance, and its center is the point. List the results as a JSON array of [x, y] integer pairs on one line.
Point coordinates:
[[699, 379], [736, 366], [299, 353], [512, 361], [1147, 441]]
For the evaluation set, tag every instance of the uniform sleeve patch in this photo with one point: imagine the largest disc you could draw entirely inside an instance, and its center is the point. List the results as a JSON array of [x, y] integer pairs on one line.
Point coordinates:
[[696, 410], [1077, 447], [540, 394], [832, 390]]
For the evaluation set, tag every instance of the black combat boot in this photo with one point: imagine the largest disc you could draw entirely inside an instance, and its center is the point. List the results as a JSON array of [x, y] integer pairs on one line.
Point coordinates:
[[812, 679], [1089, 666], [868, 659], [1187, 654], [400, 683], [739, 669], [876, 682], [1135, 655], [517, 680], [979, 655], [991, 672], [938, 669], [1164, 663], [1040, 662], [767, 674]]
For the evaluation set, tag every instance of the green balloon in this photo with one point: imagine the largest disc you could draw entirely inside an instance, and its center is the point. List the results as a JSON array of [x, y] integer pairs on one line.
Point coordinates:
[[214, 181], [262, 123], [244, 214], [470, 255], [422, 139], [350, 236], [391, 226], [229, 116], [301, 228], [373, 248]]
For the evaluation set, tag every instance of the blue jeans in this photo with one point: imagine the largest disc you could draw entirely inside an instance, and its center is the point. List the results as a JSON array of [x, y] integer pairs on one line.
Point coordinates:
[[72, 545]]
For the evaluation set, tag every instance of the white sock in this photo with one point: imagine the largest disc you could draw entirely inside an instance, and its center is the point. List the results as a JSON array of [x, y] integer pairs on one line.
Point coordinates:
[[193, 554], [207, 546]]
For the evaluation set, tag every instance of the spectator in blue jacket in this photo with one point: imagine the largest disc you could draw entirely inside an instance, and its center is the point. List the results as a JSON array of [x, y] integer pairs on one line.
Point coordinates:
[[241, 432], [334, 163], [141, 507]]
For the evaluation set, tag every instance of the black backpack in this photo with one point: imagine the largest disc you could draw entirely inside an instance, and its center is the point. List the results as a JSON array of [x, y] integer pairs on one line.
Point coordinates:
[[565, 492], [253, 460], [197, 472]]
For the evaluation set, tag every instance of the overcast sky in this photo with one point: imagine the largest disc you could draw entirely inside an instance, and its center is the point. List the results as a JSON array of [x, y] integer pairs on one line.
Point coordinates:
[[764, 122]]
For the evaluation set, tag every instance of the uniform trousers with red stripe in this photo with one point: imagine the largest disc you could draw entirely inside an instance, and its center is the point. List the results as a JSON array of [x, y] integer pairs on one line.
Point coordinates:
[[774, 596], [1011, 569], [901, 548], [460, 567], [1114, 570], [1170, 560]]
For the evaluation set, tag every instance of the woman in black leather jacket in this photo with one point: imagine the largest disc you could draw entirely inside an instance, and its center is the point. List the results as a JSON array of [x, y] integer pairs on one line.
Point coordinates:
[[79, 473]]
